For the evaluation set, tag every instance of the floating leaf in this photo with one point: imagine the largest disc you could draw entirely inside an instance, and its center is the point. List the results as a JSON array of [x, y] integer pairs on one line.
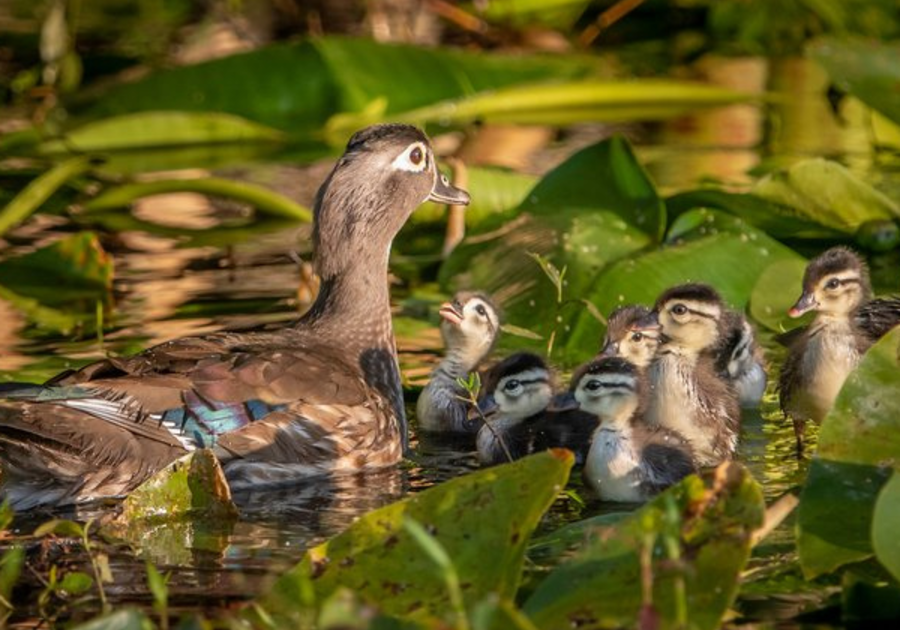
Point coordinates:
[[691, 543], [827, 193], [867, 69], [263, 199], [379, 559], [38, 191], [160, 129], [859, 447], [776, 290], [885, 540]]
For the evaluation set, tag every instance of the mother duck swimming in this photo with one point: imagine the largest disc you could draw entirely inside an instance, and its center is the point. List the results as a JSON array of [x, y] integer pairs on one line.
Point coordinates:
[[319, 397]]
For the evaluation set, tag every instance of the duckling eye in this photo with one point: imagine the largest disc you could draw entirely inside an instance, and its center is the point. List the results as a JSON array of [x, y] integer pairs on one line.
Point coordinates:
[[637, 336], [593, 385], [832, 284], [679, 309], [512, 386], [481, 310]]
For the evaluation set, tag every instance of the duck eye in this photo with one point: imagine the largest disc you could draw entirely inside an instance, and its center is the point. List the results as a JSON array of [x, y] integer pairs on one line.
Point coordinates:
[[679, 309], [416, 156], [593, 385], [512, 385], [832, 284], [481, 310], [637, 336]]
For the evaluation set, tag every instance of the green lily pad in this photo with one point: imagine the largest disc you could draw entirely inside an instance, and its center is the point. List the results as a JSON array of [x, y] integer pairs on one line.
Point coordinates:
[[827, 193], [73, 268], [885, 540], [676, 561], [776, 290], [859, 448], [379, 559]]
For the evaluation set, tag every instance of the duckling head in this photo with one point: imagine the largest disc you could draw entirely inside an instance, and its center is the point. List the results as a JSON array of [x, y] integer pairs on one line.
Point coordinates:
[[689, 317], [835, 284], [385, 173], [518, 387], [610, 388], [624, 340], [470, 327]]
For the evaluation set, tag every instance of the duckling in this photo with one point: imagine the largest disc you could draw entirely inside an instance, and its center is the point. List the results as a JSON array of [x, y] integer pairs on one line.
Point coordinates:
[[517, 392], [739, 357], [622, 340], [319, 397], [628, 461], [470, 328], [848, 321], [687, 394]]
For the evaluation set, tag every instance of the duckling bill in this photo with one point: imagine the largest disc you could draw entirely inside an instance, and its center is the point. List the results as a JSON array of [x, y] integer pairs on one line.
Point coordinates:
[[319, 397]]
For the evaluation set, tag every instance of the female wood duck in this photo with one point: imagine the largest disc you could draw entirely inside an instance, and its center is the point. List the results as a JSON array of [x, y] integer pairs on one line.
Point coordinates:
[[848, 321], [628, 460], [470, 328], [517, 392], [687, 394], [319, 397], [523, 416], [738, 356]]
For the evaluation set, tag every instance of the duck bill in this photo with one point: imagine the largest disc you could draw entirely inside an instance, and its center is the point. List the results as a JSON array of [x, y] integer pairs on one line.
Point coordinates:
[[450, 312], [805, 304], [647, 322], [488, 406], [564, 402], [445, 192]]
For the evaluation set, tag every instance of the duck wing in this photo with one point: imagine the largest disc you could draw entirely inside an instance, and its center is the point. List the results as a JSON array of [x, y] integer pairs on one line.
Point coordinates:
[[875, 318], [668, 459]]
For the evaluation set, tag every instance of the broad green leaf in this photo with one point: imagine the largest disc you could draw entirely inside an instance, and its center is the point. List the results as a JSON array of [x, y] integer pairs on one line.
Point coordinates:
[[723, 252], [597, 207], [827, 193], [775, 291], [263, 199], [11, 563], [76, 583], [30, 199], [868, 70], [122, 619], [859, 446], [885, 540], [73, 268], [160, 129], [778, 221], [381, 561], [693, 541], [524, 13]]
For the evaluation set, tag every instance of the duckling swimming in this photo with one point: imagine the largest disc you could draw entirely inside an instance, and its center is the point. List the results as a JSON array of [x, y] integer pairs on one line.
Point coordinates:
[[848, 321], [470, 328], [687, 393], [517, 392], [628, 461]]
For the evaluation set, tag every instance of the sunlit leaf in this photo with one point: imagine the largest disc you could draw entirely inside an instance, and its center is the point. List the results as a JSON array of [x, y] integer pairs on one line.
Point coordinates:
[[692, 543], [160, 129], [379, 559], [859, 447], [263, 199], [775, 291], [885, 540], [76, 583], [827, 193], [59, 527]]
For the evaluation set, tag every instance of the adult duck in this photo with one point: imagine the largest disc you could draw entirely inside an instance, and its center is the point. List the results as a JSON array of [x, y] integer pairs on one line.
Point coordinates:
[[319, 397]]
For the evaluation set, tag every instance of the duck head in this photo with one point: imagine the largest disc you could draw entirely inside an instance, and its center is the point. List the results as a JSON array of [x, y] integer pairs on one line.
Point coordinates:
[[385, 173], [624, 340], [517, 388], [470, 326], [689, 317], [610, 388], [835, 284]]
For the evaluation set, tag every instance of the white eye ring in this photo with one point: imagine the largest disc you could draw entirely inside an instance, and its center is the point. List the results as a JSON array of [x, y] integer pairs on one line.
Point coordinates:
[[414, 159]]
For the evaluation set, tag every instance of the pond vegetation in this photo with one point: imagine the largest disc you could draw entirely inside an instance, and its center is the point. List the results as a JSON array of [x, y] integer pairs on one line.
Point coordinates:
[[158, 163]]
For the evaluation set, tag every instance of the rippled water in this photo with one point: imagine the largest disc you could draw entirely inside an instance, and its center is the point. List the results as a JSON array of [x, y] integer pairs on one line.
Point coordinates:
[[168, 286]]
